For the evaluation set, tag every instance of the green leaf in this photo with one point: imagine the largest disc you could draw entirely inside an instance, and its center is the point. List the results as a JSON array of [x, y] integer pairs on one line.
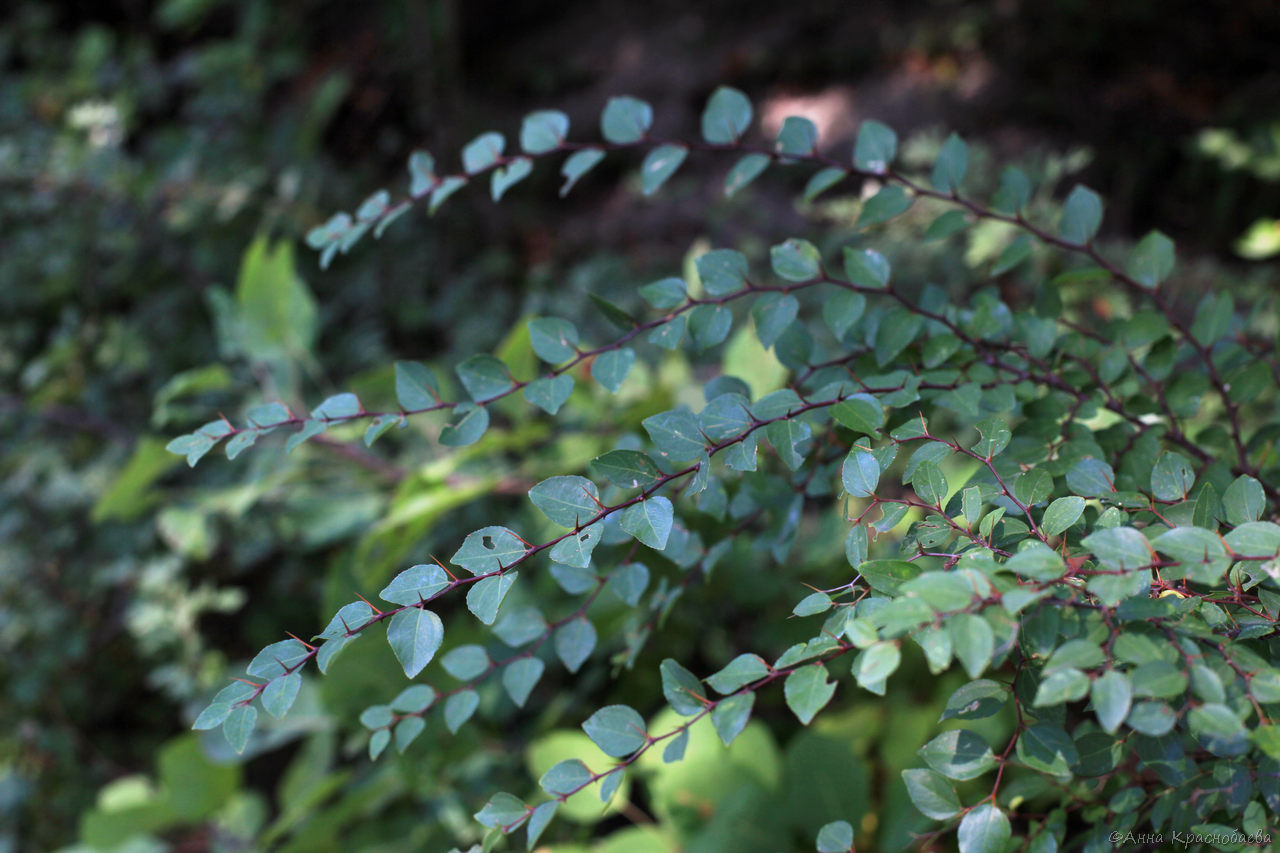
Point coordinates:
[[931, 794], [538, 821], [930, 483], [406, 731], [485, 597], [543, 131], [861, 413], [569, 501], [995, 437], [798, 136], [485, 377], [239, 726], [951, 222], [470, 422], [1061, 686], [1200, 551], [823, 181], [726, 116], [222, 705], [549, 393], [487, 550], [415, 635], [973, 641], [835, 837], [482, 152], [812, 604], [1243, 500], [574, 641], [1032, 487], [1119, 548], [575, 549], [709, 325], [577, 165], [860, 473], [887, 576], [807, 690], [958, 754], [378, 426], [649, 521], [1255, 539], [722, 271], [376, 717], [675, 748], [610, 368], [508, 176], [746, 170], [676, 435], [682, 689], [1081, 215], [726, 416], [566, 777], [626, 120], [466, 662], [422, 175], [951, 166], [1172, 477], [416, 386], [276, 312], [378, 742], [617, 729], [898, 328], [1061, 514], [875, 147], [772, 314], [1091, 478], [660, 164], [866, 267], [841, 310], [1158, 679], [627, 469], [875, 664], [191, 446], [503, 811], [985, 829], [1015, 253], [739, 672], [1151, 260], [310, 429], [278, 659], [414, 699], [1014, 192], [554, 340], [280, 694], [795, 260], [891, 201], [458, 708], [520, 677], [665, 293], [629, 582], [1112, 696], [1214, 721], [443, 190], [976, 700], [1152, 718], [1036, 561], [730, 716]]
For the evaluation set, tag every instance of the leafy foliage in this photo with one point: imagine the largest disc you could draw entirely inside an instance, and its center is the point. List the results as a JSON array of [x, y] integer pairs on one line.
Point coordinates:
[[1068, 515]]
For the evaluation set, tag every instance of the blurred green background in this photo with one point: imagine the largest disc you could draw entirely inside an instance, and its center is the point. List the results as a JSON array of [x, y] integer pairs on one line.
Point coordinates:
[[160, 162]]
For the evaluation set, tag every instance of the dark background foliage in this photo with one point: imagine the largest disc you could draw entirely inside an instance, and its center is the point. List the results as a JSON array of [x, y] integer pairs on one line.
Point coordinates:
[[143, 145]]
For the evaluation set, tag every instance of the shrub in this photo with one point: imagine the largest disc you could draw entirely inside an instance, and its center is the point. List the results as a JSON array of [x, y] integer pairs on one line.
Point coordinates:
[[1047, 485]]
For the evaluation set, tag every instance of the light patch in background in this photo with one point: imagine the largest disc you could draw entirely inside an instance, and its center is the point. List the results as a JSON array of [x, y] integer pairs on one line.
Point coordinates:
[[831, 111]]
